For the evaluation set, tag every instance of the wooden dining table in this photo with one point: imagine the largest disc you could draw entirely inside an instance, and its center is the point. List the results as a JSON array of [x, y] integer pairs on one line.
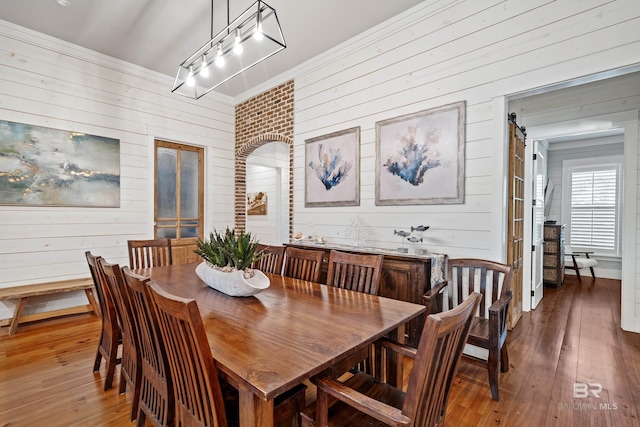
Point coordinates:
[[269, 343]]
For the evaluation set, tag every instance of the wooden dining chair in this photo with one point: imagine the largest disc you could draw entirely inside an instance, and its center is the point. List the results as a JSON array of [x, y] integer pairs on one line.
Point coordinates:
[[149, 253], [200, 400], [489, 329], [361, 273], [197, 393], [130, 358], [304, 264], [156, 400], [356, 272], [271, 259], [364, 400], [110, 331]]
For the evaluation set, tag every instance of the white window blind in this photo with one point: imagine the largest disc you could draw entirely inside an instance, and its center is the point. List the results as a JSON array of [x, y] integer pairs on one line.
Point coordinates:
[[594, 201]]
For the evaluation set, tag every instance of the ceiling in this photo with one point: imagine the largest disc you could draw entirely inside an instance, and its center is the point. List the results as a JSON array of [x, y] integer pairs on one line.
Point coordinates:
[[160, 34]]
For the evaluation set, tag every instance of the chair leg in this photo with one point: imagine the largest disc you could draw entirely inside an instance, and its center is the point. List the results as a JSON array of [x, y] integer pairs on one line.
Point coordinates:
[[578, 274], [504, 358], [593, 274], [494, 368], [98, 360]]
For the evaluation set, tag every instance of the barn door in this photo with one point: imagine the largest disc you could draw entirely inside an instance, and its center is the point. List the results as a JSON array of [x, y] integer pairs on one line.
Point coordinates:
[[515, 215]]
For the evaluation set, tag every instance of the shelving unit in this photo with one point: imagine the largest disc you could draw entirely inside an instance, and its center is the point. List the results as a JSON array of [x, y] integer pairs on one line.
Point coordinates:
[[553, 273]]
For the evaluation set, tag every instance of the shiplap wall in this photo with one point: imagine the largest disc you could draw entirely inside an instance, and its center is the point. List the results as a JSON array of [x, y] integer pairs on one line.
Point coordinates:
[[438, 53], [47, 82], [435, 54]]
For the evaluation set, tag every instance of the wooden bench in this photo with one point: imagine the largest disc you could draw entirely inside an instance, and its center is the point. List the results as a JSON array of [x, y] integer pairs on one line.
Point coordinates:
[[23, 293]]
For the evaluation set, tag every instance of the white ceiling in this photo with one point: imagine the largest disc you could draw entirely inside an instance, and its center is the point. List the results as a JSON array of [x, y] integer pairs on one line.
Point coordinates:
[[160, 34]]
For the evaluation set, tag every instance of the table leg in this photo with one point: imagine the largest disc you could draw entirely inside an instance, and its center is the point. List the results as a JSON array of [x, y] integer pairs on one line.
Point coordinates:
[[255, 412]]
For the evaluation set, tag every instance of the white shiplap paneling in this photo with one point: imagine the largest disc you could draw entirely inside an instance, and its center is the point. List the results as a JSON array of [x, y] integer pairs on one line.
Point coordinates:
[[47, 82], [435, 54]]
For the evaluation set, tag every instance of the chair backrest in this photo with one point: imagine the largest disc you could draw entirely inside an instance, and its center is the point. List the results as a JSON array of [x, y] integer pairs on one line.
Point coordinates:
[[115, 284], [92, 261], [434, 368], [304, 264], [130, 357], [149, 253], [105, 295], [356, 272], [272, 259], [156, 389], [490, 279], [198, 396]]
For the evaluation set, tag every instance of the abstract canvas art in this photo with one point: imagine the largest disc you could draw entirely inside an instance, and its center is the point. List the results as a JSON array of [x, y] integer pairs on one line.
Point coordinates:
[[332, 169], [420, 157], [41, 166]]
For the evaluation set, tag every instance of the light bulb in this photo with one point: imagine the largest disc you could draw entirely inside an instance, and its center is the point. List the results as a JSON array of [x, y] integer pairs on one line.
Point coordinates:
[[237, 47], [204, 70], [219, 57], [190, 80], [257, 34]]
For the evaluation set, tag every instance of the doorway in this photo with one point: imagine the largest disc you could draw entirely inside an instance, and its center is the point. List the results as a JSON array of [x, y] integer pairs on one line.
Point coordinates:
[[602, 101], [267, 183]]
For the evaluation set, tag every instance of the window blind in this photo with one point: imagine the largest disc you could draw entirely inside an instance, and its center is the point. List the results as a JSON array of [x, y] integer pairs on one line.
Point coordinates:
[[594, 207]]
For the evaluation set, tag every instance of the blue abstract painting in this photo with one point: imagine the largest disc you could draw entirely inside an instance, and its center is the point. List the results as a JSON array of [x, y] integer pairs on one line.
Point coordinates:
[[412, 160], [42, 166], [420, 157], [332, 169]]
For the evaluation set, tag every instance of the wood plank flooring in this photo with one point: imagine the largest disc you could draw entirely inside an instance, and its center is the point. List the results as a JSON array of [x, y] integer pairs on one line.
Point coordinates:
[[46, 378]]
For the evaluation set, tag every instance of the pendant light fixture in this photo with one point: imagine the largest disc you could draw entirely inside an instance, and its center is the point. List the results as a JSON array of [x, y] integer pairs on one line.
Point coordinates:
[[251, 38]]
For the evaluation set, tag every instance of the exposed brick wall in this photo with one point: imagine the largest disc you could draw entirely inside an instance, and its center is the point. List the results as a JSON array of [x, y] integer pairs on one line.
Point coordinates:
[[262, 119]]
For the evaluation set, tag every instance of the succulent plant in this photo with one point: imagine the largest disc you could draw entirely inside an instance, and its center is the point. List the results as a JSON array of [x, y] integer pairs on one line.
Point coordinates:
[[228, 250]]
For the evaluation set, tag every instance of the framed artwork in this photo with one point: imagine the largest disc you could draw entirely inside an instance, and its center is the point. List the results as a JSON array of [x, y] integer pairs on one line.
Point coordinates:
[[332, 169], [41, 166], [420, 157], [257, 203]]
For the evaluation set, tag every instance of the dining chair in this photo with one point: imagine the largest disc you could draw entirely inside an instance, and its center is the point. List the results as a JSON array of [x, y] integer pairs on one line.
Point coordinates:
[[110, 331], [356, 272], [304, 264], [575, 260], [156, 400], [149, 253], [489, 329], [364, 400], [130, 358], [202, 398], [361, 273], [271, 260]]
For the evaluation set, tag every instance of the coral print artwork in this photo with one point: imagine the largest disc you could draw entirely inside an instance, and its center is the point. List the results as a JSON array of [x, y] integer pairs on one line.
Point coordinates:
[[420, 157], [332, 169]]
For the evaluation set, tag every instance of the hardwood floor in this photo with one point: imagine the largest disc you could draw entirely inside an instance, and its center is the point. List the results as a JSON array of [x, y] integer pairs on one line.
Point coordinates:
[[46, 378]]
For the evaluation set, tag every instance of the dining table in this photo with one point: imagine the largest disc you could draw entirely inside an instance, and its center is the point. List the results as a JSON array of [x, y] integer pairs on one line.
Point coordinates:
[[269, 343]]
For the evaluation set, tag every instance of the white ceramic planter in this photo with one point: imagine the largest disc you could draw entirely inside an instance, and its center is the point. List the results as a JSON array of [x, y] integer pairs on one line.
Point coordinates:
[[232, 283]]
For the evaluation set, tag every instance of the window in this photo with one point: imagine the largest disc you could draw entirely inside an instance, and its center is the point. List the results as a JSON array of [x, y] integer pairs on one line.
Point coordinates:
[[591, 203], [179, 191]]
